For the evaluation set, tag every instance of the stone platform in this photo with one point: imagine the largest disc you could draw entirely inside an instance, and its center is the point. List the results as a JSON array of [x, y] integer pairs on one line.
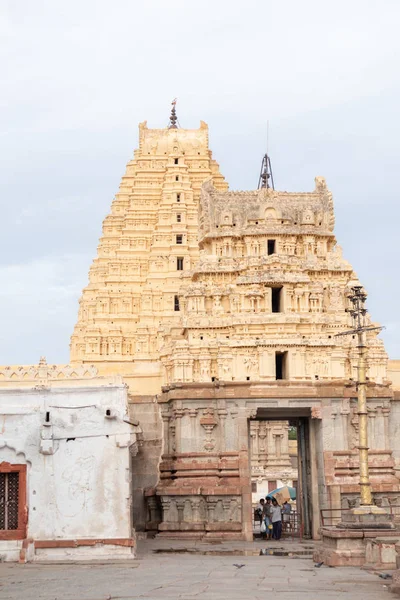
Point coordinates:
[[370, 548]]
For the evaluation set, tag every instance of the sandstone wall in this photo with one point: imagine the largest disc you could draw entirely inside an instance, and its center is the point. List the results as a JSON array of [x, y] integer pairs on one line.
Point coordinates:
[[145, 465]]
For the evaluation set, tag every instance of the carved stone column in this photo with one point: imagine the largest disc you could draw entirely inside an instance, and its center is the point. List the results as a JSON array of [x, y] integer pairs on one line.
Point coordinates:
[[208, 422], [373, 443], [211, 503], [178, 414], [165, 417], [262, 440], [344, 413], [180, 505], [253, 440], [386, 408], [153, 509], [226, 503], [172, 435], [195, 502], [178, 370], [270, 441], [222, 415], [193, 417], [278, 444], [166, 505], [188, 370]]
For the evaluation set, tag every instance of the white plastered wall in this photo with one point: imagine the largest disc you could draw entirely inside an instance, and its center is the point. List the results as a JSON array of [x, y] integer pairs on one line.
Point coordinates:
[[78, 465]]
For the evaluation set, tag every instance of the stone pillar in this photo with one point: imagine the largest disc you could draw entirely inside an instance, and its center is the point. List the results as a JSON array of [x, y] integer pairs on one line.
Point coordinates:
[[254, 425], [278, 444], [386, 412], [178, 414], [180, 505], [222, 415], [270, 439], [344, 413], [172, 435], [211, 503], [313, 423], [166, 504], [193, 417], [373, 443], [195, 502], [165, 417], [244, 474], [262, 438]]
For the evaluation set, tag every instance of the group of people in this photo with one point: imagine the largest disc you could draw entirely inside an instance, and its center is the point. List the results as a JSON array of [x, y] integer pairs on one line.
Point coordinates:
[[271, 516]]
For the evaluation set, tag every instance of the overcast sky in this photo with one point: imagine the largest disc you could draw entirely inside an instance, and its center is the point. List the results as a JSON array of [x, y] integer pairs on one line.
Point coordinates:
[[77, 77]]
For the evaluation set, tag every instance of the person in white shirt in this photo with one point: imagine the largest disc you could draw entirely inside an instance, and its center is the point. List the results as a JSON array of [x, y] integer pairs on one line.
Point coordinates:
[[276, 518], [286, 510]]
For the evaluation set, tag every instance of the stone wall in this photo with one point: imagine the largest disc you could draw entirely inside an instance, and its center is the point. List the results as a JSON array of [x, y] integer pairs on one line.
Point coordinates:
[[146, 464], [205, 470]]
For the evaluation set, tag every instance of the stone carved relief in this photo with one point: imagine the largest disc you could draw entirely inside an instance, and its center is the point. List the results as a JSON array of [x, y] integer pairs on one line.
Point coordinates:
[[47, 372], [201, 509], [209, 421]]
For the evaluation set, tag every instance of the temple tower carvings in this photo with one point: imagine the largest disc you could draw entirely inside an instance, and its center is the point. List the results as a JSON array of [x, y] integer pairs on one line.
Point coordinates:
[[150, 239], [268, 294]]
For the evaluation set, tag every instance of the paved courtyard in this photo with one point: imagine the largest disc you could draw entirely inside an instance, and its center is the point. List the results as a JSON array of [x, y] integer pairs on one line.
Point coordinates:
[[165, 570]]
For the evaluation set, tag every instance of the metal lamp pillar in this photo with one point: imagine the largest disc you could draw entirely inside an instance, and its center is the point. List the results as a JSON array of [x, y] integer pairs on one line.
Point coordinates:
[[365, 484], [358, 312]]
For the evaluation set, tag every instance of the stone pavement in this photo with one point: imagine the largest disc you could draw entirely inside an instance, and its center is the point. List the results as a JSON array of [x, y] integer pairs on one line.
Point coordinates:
[[229, 571]]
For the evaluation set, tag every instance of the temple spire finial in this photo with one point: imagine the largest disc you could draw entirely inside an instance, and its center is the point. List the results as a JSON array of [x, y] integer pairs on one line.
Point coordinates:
[[266, 169], [266, 174], [173, 118]]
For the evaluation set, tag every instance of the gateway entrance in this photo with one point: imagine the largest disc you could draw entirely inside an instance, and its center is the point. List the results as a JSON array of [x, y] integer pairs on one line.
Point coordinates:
[[279, 456]]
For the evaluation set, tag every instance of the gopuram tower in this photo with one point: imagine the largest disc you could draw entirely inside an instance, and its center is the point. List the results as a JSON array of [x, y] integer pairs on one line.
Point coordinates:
[[268, 294], [149, 240], [221, 310]]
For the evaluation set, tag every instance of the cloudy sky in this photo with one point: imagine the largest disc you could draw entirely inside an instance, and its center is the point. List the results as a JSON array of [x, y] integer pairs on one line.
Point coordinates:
[[78, 76]]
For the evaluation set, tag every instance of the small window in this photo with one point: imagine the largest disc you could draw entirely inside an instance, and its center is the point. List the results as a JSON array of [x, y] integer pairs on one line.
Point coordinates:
[[176, 177], [179, 239], [178, 218], [178, 197], [276, 300], [9, 485], [271, 247], [179, 263], [176, 303], [176, 161], [280, 365]]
